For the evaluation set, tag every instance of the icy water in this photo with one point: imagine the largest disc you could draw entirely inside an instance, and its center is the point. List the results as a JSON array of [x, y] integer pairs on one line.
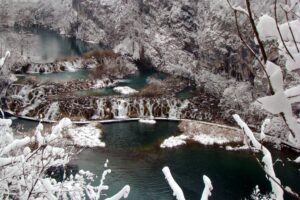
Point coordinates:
[[135, 81], [48, 46], [136, 159]]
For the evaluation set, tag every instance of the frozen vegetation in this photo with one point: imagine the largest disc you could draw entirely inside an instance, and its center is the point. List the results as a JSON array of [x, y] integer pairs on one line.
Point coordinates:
[[27, 162]]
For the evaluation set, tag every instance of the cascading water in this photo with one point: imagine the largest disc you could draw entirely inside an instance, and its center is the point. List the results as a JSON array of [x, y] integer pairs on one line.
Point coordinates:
[[120, 109], [149, 107], [52, 111], [99, 114], [175, 109]]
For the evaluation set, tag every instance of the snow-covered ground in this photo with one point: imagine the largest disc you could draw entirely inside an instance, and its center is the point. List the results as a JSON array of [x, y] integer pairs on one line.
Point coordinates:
[[203, 133]]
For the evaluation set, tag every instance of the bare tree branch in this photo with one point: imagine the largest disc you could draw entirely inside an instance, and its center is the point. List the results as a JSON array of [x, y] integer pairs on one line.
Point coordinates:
[[260, 44], [278, 29]]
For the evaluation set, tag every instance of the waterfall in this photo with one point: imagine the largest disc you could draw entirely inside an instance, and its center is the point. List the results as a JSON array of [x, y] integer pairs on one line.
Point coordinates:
[[150, 108], [52, 111], [99, 114], [120, 109], [31, 107], [141, 108], [175, 108]]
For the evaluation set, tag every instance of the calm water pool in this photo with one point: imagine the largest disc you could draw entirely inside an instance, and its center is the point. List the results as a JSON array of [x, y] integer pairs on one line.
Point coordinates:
[[136, 159]]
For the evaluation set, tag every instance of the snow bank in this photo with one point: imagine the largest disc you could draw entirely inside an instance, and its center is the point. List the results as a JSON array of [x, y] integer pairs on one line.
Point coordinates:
[[177, 191], [147, 121], [86, 136], [125, 90], [174, 141], [207, 189], [207, 139], [202, 138]]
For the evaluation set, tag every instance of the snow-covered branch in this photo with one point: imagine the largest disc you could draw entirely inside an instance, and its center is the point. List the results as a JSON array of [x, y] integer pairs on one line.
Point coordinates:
[[266, 160], [207, 189], [177, 191]]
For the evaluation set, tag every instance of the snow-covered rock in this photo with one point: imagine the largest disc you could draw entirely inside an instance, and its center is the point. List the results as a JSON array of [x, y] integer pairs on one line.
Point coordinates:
[[147, 121], [174, 141], [125, 90]]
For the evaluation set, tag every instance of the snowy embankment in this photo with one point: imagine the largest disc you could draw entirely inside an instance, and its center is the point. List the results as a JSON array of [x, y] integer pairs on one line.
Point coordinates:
[[204, 133]]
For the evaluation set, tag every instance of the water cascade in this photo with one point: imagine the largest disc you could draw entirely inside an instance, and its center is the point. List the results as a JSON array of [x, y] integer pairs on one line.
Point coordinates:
[[120, 109]]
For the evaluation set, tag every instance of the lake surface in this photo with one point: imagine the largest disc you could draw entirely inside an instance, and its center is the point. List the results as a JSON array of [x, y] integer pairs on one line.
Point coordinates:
[[47, 46], [136, 159]]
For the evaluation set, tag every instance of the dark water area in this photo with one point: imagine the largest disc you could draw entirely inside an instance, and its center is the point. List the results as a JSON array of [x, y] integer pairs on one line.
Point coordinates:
[[51, 46], [136, 159]]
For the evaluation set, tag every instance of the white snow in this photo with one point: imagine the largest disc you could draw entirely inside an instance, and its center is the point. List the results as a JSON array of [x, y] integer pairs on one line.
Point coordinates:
[[125, 90], [2, 60], [128, 47], [279, 103], [86, 136], [267, 28], [292, 64], [204, 139], [147, 121], [5, 122], [207, 139], [297, 160], [174, 141], [177, 191], [102, 83], [207, 189], [263, 127]]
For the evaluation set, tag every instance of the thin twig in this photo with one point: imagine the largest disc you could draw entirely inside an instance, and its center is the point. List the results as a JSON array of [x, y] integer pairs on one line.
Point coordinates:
[[260, 44], [290, 28], [278, 29]]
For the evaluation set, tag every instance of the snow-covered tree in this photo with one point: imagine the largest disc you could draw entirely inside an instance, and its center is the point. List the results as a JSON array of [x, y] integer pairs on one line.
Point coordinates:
[[287, 35], [26, 163]]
